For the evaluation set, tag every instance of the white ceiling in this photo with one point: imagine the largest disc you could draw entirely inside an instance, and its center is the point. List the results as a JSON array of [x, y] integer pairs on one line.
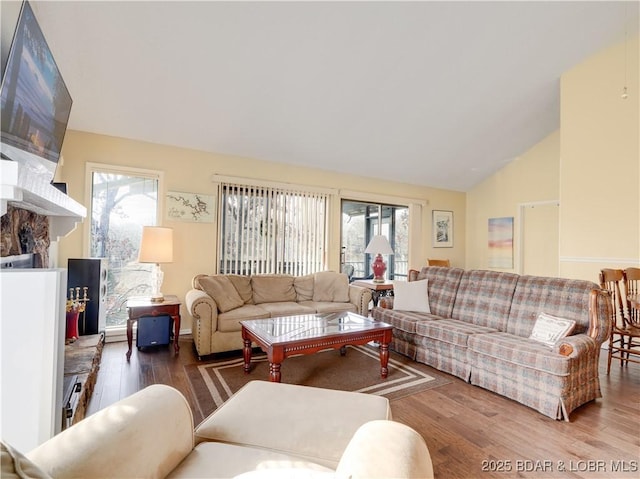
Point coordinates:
[[431, 93]]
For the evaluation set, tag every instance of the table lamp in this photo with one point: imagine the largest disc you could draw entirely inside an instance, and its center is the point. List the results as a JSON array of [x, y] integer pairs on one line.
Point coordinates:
[[378, 245], [156, 246]]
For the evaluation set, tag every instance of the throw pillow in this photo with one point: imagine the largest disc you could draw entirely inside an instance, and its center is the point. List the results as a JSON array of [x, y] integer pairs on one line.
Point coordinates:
[[549, 329], [221, 289], [243, 287], [331, 286], [411, 296], [272, 288], [304, 287]]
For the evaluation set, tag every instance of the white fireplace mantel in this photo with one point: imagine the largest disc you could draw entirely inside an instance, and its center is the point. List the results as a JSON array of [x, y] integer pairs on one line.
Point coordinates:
[[21, 188]]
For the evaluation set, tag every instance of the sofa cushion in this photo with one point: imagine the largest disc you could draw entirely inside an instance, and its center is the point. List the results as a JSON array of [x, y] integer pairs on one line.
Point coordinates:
[[272, 288], [402, 320], [450, 330], [411, 296], [330, 306], [221, 289], [484, 298], [564, 298], [230, 321], [549, 329], [242, 284], [331, 286], [506, 350], [443, 285], [286, 308], [304, 287]]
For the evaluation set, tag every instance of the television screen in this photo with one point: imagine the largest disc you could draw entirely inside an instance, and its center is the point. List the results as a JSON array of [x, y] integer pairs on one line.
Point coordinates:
[[34, 100]]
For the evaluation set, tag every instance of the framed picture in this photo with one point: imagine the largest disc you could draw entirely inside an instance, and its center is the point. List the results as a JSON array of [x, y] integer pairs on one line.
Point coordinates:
[[189, 207], [442, 229], [501, 243]]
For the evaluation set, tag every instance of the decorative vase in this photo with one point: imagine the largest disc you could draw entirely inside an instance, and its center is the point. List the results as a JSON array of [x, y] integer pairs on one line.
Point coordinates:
[[72, 325]]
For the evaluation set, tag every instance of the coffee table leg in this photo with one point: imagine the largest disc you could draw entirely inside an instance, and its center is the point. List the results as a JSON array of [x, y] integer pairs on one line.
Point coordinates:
[[246, 353], [274, 372], [384, 359]]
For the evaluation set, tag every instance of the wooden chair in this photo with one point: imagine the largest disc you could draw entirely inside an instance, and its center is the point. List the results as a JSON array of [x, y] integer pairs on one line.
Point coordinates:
[[621, 345], [439, 262], [632, 288]]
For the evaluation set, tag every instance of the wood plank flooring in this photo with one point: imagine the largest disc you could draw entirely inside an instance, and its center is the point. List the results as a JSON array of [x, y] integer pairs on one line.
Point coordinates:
[[471, 433]]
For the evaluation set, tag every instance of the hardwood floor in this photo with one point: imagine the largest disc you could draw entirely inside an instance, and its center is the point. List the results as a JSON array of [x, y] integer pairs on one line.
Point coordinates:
[[470, 432]]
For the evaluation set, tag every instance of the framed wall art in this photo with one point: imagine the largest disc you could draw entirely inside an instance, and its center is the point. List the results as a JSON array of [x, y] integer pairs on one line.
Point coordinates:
[[501, 243], [189, 207], [442, 229]]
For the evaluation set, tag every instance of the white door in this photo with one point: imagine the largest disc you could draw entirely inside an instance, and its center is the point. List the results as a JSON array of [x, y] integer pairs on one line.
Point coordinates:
[[540, 239]]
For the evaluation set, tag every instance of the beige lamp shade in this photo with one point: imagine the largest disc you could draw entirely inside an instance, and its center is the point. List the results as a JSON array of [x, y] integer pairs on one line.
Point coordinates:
[[156, 245], [379, 244]]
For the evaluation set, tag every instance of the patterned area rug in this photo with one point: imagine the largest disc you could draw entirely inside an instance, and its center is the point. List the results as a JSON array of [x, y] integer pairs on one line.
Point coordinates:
[[213, 382]]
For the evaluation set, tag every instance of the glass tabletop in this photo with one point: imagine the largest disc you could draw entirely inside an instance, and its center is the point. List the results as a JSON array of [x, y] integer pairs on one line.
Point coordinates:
[[304, 326]]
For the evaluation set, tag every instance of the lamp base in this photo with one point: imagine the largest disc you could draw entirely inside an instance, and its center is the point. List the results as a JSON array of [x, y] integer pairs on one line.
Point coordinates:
[[379, 267], [157, 299]]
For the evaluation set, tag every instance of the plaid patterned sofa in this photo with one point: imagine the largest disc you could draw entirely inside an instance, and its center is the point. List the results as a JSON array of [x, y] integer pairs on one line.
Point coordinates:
[[479, 330]]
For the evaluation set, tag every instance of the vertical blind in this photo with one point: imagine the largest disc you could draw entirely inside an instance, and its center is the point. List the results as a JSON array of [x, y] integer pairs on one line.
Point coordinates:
[[271, 230]]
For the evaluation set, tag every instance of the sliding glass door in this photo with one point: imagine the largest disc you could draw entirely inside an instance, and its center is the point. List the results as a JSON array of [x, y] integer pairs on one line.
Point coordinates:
[[361, 221]]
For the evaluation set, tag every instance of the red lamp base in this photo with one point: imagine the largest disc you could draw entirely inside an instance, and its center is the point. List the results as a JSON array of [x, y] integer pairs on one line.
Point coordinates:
[[379, 267]]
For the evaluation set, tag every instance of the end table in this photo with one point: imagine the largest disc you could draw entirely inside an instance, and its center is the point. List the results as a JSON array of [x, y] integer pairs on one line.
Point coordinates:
[[377, 289], [139, 307]]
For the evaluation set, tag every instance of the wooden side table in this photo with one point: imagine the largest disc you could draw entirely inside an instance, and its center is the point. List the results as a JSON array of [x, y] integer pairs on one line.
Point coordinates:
[[139, 307], [377, 289]]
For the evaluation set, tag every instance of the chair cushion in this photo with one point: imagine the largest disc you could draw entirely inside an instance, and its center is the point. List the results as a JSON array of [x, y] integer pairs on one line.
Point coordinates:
[[16, 465], [254, 417], [215, 459], [221, 289]]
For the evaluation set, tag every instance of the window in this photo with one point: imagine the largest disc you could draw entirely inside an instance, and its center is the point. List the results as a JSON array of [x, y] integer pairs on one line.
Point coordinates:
[[271, 230], [122, 201], [360, 222]]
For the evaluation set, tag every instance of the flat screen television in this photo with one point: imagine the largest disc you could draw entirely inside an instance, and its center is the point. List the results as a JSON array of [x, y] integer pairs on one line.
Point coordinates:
[[34, 100]]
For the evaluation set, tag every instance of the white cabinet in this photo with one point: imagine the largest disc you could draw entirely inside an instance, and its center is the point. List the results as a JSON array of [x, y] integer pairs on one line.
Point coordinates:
[[32, 332]]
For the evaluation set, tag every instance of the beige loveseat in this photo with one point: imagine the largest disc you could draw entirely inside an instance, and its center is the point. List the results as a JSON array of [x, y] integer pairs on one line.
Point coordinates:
[[308, 432], [218, 303]]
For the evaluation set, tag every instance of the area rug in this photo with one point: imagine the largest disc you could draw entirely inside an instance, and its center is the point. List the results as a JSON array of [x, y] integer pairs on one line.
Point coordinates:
[[213, 382]]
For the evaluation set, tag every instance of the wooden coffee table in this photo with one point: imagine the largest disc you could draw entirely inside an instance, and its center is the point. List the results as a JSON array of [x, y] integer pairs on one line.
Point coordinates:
[[289, 336]]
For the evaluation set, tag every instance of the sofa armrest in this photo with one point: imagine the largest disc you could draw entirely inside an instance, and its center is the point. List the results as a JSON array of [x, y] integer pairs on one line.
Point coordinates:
[[360, 297], [144, 435], [204, 311], [575, 346], [600, 312], [385, 449]]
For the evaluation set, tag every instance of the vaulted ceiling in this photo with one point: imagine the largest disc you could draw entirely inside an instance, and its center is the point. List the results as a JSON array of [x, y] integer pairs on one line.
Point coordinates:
[[441, 94]]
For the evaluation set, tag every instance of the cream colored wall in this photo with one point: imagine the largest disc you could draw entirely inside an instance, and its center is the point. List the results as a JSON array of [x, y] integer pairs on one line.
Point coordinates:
[[531, 177], [600, 168], [592, 165], [191, 171]]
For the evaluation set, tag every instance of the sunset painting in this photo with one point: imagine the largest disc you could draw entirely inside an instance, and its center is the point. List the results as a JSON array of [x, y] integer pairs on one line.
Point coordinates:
[[501, 243]]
